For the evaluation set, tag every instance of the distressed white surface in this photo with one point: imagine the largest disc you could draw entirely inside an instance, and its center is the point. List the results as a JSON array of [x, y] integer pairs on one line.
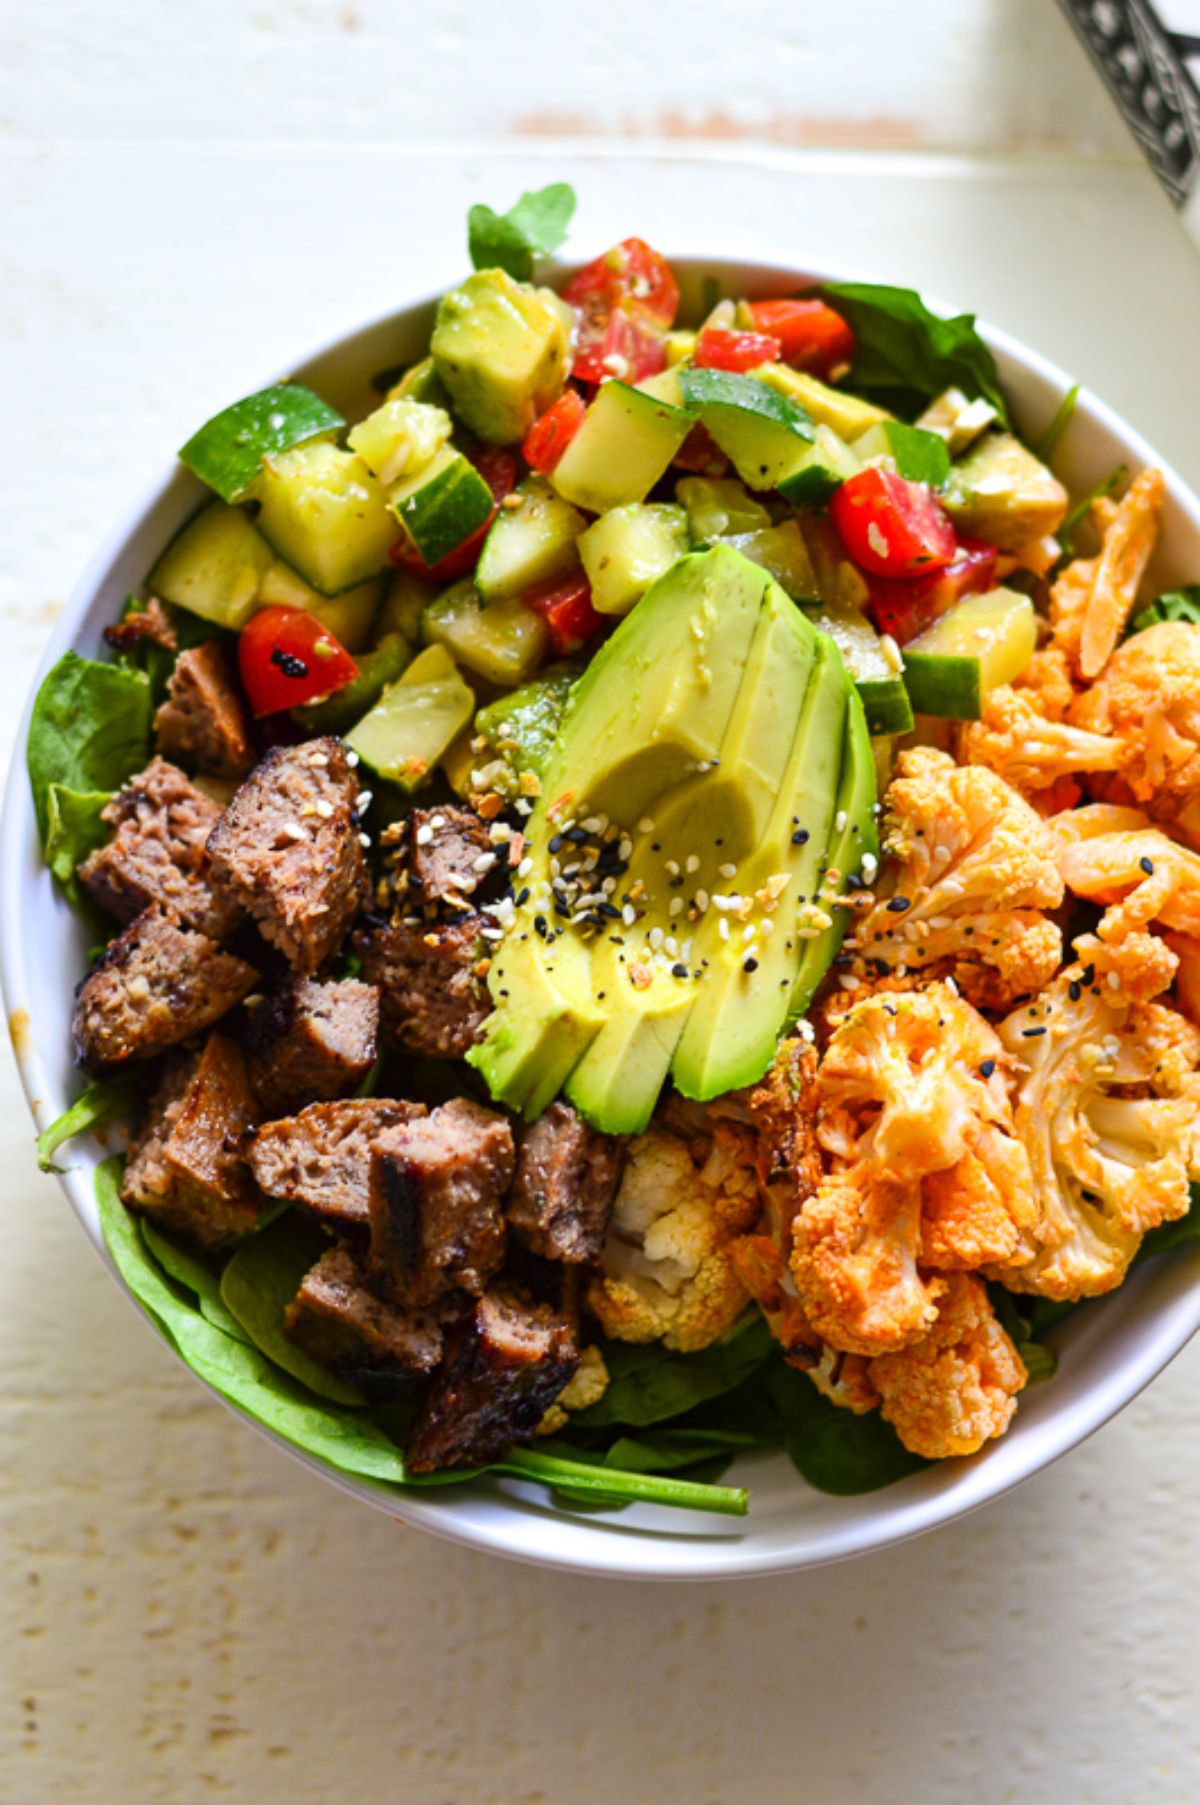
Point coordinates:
[[183, 1614]]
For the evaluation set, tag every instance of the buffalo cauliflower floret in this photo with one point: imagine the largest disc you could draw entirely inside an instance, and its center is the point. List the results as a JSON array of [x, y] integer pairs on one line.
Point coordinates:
[[957, 1387], [926, 1170], [1186, 951], [975, 869], [1094, 597], [587, 1385], [1148, 702], [1117, 856], [1030, 752], [1109, 1147], [1047, 681], [667, 1273]]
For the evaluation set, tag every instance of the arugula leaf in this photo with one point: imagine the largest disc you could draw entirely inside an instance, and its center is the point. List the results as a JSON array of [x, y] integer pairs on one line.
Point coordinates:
[[833, 1449], [73, 829], [103, 1099], [1174, 604], [191, 1272], [1064, 413], [902, 349], [89, 731], [260, 1282], [511, 241], [1076, 515], [648, 1384]]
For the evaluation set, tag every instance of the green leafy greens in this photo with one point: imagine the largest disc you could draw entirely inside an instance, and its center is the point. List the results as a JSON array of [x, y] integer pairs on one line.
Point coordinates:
[[1064, 413], [513, 241], [1174, 604], [102, 1101], [89, 731], [902, 350]]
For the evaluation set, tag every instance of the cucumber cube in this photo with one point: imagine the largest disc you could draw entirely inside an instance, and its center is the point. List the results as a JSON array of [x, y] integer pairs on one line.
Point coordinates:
[[503, 642], [326, 515], [400, 438], [529, 544], [626, 442], [214, 567], [629, 548], [414, 722], [442, 505]]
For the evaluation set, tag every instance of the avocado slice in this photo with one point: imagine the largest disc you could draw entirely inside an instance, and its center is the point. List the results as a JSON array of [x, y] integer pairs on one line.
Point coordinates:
[[1001, 492], [501, 351], [855, 839]]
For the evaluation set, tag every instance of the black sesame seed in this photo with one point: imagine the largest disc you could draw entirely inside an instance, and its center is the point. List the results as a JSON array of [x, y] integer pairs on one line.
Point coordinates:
[[1031, 1033], [800, 837], [1147, 866], [898, 905], [749, 964], [523, 898], [609, 910], [1074, 990], [679, 971], [540, 926], [987, 1068], [288, 663]]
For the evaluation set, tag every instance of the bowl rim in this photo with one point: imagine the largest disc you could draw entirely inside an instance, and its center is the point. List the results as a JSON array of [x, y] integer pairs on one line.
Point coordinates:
[[605, 1547]]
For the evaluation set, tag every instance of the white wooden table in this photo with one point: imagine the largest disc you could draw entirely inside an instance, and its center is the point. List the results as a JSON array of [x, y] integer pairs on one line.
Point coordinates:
[[184, 1615]]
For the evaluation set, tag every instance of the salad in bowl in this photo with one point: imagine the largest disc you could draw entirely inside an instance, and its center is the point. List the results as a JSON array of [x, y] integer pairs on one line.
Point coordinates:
[[644, 892]]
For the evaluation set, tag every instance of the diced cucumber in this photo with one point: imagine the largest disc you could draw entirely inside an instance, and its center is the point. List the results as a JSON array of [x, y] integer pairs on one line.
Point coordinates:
[[228, 450], [628, 548], [880, 685], [501, 350], [404, 602], [782, 551], [348, 616], [913, 453], [415, 720], [664, 385], [626, 442], [376, 669], [532, 543], [718, 506], [848, 415], [214, 567], [503, 642], [765, 435], [983, 642], [819, 470], [443, 504], [400, 438], [421, 382], [838, 580], [326, 515]]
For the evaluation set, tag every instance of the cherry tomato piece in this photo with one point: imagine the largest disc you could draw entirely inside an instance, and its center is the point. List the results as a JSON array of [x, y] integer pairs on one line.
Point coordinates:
[[499, 471], [286, 658], [812, 335], [720, 349], [553, 431], [625, 302], [567, 610], [904, 607], [890, 527]]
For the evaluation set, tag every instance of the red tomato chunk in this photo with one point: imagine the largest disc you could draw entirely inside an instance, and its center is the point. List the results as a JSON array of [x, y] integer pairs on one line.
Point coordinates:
[[553, 431], [626, 302], [287, 658], [567, 610], [904, 607], [890, 527], [811, 335], [719, 349]]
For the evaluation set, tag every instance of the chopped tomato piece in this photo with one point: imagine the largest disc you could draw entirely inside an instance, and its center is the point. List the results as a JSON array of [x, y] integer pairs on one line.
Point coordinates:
[[553, 431], [904, 607], [719, 349], [286, 658], [813, 337], [625, 302], [890, 527], [567, 610], [499, 471]]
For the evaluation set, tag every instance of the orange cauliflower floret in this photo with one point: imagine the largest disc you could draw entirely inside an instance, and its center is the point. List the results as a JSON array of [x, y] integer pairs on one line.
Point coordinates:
[[927, 1173], [666, 1272], [1110, 1147], [957, 1387], [1048, 683], [1148, 701], [975, 869], [587, 1385], [1029, 751], [1094, 597], [1117, 856]]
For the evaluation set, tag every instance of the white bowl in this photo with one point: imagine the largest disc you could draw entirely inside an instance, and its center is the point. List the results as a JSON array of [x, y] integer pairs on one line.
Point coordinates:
[[1107, 1354]]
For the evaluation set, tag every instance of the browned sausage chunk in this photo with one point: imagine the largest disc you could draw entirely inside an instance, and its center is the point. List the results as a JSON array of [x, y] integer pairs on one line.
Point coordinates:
[[322, 1157], [359, 1336], [433, 1002], [203, 722], [567, 1176], [450, 854], [158, 853], [312, 1041]]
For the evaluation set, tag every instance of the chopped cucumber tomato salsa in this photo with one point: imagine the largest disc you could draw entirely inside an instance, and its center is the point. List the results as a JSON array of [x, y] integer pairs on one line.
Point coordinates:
[[648, 893]]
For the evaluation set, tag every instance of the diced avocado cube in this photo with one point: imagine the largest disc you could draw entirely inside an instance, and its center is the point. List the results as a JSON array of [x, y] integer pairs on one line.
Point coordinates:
[[415, 720], [624, 445], [400, 438], [420, 382], [501, 351], [847, 415], [326, 515], [1001, 492], [629, 548], [503, 642]]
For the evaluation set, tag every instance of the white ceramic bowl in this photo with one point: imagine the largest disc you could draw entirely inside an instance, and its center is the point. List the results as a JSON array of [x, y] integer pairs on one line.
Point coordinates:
[[1107, 1355]]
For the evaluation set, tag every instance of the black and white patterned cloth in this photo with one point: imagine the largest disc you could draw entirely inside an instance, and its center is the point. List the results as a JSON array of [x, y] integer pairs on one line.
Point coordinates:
[[1149, 69]]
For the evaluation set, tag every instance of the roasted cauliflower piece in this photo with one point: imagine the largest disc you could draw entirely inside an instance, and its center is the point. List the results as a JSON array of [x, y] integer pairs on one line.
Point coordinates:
[[1111, 1142], [854, 1261], [1094, 597], [1029, 751], [1048, 682], [1148, 701], [957, 1387], [666, 1271], [587, 1385], [1117, 856], [975, 869]]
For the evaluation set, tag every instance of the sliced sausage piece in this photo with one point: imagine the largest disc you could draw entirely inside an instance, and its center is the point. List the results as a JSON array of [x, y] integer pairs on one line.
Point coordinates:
[[433, 1001], [450, 854], [322, 1157], [437, 1225], [185, 1170], [567, 1177], [158, 853], [505, 1364], [204, 723], [360, 1337], [312, 1041], [287, 850], [155, 984]]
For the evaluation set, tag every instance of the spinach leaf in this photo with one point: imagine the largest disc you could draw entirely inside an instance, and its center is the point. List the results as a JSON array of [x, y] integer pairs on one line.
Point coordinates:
[[536, 224], [260, 1282], [649, 1383], [1040, 1361], [89, 731], [1170, 1235], [188, 1270], [1064, 413], [1175, 604], [73, 829], [103, 1099], [902, 349], [833, 1449]]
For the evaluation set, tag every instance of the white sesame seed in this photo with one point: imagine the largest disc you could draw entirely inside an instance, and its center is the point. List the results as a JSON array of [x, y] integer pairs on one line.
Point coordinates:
[[351, 759], [483, 863], [839, 821], [676, 906], [629, 915], [870, 865], [701, 900], [362, 801], [848, 981], [749, 931], [656, 938], [645, 825], [325, 808], [593, 825], [437, 822], [364, 840], [294, 831], [319, 758], [625, 848], [492, 933], [424, 834], [727, 870], [691, 863], [723, 928], [525, 867], [672, 868], [703, 768]]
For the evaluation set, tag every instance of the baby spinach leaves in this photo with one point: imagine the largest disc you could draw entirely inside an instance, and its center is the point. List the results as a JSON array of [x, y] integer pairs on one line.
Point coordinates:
[[902, 350], [512, 241], [833, 1449], [649, 1384], [89, 731], [104, 1099], [260, 1282]]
